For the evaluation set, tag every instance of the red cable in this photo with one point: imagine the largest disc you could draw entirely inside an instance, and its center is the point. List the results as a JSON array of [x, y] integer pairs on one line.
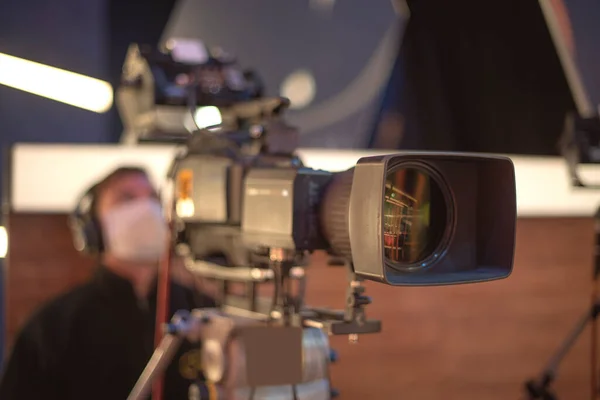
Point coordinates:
[[162, 315]]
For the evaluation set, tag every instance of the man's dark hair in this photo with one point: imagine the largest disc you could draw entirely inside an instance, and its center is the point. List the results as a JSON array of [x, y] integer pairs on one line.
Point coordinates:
[[98, 189]]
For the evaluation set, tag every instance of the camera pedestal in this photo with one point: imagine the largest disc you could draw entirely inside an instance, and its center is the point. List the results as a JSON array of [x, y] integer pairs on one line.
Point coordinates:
[[244, 359], [236, 341]]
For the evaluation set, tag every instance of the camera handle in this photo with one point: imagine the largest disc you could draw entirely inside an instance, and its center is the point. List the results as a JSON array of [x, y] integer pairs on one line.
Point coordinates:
[[540, 388], [351, 321], [355, 302]]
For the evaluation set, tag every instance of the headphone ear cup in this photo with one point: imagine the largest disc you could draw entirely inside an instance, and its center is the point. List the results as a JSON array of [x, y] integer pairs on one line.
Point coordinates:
[[93, 236], [87, 237], [77, 232]]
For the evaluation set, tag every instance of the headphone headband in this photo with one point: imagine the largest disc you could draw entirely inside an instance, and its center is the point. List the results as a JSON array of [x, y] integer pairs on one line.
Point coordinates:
[[83, 222]]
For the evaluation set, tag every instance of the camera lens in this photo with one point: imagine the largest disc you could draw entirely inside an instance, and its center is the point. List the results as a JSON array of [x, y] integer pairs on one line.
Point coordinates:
[[416, 212]]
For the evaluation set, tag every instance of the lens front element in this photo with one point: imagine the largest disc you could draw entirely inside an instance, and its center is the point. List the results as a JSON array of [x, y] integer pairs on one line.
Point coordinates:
[[415, 217]]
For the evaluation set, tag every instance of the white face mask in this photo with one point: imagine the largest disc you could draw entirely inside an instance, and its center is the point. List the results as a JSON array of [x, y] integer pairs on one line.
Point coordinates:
[[136, 231]]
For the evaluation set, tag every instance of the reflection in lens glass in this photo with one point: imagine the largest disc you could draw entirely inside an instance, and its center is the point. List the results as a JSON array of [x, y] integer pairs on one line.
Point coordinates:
[[415, 215]]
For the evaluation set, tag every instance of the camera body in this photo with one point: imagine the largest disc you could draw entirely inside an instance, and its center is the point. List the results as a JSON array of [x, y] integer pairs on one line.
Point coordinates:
[[414, 218], [240, 192]]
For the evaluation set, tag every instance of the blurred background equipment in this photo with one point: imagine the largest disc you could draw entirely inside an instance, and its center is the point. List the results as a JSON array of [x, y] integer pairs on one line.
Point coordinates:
[[332, 59], [570, 25], [580, 145], [167, 94], [541, 386], [573, 28]]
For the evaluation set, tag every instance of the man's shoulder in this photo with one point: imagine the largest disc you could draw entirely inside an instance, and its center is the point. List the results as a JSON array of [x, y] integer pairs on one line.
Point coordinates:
[[59, 312]]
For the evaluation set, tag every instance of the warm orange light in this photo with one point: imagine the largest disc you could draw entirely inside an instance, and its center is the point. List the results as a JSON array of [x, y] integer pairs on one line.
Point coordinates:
[[184, 203], [184, 183]]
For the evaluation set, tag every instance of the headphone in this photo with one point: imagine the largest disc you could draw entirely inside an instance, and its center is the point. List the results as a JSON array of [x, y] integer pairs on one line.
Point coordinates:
[[84, 224]]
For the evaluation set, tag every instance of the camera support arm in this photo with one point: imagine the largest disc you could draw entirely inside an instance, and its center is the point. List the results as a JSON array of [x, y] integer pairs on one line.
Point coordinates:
[[352, 320]]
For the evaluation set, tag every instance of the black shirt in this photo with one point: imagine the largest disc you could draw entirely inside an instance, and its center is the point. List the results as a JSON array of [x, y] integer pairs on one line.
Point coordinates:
[[93, 343]]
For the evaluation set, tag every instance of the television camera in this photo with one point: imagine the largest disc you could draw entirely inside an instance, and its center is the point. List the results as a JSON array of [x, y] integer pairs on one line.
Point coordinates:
[[246, 211]]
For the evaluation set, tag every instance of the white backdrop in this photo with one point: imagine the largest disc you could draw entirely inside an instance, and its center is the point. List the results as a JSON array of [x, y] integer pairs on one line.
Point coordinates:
[[50, 178]]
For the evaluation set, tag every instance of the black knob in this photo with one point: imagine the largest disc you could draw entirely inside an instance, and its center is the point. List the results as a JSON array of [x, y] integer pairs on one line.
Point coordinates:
[[334, 393], [361, 301]]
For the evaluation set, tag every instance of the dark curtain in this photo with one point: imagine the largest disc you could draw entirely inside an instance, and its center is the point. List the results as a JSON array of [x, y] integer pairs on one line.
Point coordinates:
[[475, 76], [132, 21]]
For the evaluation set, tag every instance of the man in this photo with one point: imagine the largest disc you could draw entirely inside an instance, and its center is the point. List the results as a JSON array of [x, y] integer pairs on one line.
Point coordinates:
[[94, 341]]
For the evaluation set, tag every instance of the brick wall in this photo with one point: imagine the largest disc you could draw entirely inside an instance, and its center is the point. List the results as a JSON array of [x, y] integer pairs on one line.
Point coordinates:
[[41, 264]]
